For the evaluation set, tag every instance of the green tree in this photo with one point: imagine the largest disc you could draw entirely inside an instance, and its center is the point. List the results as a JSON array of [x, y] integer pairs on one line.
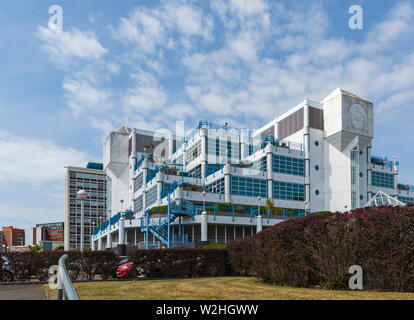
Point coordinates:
[[35, 248]]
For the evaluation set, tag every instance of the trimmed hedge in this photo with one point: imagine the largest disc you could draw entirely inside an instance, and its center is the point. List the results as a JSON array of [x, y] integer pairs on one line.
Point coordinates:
[[319, 249], [37, 264], [180, 262]]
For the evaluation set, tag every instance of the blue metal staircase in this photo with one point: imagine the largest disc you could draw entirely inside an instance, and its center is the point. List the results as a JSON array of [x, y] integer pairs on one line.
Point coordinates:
[[162, 229]]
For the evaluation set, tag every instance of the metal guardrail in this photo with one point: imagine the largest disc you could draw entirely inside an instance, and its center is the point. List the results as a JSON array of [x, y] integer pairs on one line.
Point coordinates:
[[65, 287]]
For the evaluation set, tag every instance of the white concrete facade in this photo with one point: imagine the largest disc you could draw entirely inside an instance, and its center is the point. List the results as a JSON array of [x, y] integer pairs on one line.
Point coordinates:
[[315, 157]]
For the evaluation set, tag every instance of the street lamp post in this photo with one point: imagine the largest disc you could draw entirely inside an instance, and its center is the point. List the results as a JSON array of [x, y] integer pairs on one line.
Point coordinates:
[[82, 196], [258, 200], [204, 201], [306, 209]]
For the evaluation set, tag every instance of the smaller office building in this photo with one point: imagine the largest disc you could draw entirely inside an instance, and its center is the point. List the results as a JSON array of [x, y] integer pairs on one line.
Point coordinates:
[[93, 180], [13, 236], [47, 235]]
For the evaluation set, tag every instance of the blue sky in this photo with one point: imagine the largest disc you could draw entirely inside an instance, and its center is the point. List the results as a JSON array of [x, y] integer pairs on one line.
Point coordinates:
[[150, 63]]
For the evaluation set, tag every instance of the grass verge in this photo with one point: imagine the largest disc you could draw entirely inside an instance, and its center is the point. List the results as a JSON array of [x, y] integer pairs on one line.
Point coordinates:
[[223, 288]]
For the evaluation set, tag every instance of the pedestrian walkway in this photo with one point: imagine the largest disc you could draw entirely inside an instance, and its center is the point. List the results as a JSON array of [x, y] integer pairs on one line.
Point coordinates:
[[22, 292]]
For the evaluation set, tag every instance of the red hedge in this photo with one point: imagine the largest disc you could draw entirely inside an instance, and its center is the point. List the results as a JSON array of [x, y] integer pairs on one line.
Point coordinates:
[[37, 264], [319, 249], [180, 262]]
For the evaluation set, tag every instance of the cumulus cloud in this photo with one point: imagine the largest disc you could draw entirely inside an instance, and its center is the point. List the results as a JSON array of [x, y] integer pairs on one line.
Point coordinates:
[[64, 47], [144, 99], [83, 96], [35, 161], [151, 31]]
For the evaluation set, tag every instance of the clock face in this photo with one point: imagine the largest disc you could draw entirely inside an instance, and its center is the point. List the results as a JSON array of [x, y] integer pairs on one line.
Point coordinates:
[[358, 116]]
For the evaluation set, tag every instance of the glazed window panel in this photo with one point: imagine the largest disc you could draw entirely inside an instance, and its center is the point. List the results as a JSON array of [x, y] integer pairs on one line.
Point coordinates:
[[138, 182], [406, 200], [152, 196], [383, 180], [288, 191], [193, 152], [248, 187], [216, 187], [288, 165], [138, 204]]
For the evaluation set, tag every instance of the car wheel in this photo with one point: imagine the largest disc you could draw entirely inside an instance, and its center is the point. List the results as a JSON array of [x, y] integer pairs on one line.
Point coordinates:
[[6, 276]]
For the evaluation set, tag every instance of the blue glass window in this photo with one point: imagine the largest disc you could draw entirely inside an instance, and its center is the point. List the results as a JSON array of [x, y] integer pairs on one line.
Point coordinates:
[[383, 180], [138, 182], [406, 200], [138, 204], [248, 187], [288, 165], [216, 187], [151, 196], [288, 191]]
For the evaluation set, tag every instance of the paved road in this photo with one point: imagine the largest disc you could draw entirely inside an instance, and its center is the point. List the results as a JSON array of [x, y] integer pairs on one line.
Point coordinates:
[[22, 292]]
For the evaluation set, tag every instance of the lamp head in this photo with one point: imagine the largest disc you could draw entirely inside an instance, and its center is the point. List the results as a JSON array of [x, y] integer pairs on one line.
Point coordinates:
[[81, 195]]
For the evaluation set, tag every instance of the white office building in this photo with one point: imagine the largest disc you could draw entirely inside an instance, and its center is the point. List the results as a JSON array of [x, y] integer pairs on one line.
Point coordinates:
[[218, 183]]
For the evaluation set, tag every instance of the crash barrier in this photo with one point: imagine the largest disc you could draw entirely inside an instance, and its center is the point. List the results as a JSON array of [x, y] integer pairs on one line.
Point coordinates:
[[65, 287]]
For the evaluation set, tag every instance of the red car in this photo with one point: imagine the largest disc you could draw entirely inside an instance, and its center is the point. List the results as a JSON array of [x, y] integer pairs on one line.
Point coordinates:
[[124, 270]]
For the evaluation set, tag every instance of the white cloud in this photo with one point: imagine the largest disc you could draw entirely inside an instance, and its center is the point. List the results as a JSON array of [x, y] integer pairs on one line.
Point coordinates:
[[144, 99], [151, 30], [180, 111], [35, 161], [113, 67], [142, 28], [248, 7], [64, 47], [399, 23], [244, 47], [82, 95]]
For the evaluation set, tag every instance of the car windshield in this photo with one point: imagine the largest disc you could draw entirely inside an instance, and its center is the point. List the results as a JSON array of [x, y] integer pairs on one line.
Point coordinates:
[[123, 261]]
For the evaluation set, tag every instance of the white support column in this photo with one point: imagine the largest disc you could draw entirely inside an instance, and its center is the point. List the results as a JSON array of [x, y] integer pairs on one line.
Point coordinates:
[[144, 174], [132, 163], [121, 231], [369, 175], [93, 245], [159, 180], [109, 240], [306, 147], [144, 185], [100, 243], [203, 159], [259, 223], [276, 130], [269, 163], [227, 183], [184, 148], [244, 145], [204, 227], [225, 234]]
